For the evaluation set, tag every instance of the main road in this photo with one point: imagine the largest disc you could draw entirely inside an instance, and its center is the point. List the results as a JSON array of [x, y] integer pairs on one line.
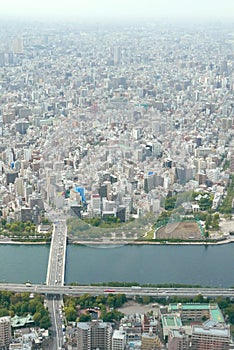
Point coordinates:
[[59, 290]]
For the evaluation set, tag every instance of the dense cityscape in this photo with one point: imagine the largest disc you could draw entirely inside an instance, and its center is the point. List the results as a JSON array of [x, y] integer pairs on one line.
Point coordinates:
[[115, 133]]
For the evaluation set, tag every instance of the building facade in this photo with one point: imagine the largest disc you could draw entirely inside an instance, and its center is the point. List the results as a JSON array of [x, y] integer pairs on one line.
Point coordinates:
[[210, 336], [94, 335], [5, 332]]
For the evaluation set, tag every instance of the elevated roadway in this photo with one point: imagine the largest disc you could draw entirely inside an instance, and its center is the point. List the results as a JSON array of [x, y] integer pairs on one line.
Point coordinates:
[[59, 290]]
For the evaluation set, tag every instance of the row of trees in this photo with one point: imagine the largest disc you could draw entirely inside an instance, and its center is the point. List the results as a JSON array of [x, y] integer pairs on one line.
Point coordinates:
[[226, 206], [21, 304], [19, 227]]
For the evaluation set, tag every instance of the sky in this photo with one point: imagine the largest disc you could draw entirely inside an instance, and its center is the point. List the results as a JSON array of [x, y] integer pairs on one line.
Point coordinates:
[[119, 8]]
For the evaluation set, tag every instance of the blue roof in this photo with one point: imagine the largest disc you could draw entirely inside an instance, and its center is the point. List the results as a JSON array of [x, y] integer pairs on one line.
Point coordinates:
[[81, 191]]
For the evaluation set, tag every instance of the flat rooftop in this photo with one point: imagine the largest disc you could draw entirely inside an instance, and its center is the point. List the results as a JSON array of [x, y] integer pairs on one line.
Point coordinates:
[[188, 306], [212, 331], [171, 321]]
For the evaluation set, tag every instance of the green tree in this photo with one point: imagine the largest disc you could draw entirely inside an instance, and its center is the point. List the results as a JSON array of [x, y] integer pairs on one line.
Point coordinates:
[[223, 303], [71, 314], [24, 308], [120, 299], [230, 312], [4, 312], [17, 308], [45, 322], [110, 300], [170, 202], [86, 300], [4, 222], [112, 316], [85, 317], [32, 306], [206, 202], [198, 298], [40, 308], [100, 299], [215, 221], [146, 299], [208, 221], [37, 318]]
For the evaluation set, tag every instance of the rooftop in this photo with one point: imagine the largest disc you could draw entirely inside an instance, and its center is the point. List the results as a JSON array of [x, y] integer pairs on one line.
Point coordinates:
[[171, 321], [18, 321], [217, 330]]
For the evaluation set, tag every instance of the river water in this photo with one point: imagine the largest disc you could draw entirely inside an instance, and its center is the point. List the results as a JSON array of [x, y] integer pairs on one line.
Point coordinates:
[[207, 266]]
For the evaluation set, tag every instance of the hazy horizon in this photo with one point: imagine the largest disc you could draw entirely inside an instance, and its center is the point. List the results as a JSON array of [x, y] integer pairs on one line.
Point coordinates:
[[126, 9]]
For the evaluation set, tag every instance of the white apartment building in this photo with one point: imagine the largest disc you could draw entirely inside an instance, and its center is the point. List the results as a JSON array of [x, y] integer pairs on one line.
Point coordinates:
[[118, 340]]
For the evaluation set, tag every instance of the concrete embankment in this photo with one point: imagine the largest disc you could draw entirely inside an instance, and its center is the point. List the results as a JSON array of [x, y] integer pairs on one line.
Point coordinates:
[[116, 243]]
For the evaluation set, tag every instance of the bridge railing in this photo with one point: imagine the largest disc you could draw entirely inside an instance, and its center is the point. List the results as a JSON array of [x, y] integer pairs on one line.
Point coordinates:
[[50, 256]]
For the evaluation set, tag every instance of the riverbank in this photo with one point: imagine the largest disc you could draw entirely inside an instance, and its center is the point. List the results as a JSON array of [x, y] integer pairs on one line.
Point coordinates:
[[19, 242], [121, 243]]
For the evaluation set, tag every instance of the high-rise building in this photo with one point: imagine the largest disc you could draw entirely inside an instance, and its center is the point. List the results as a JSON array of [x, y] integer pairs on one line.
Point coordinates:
[[94, 335], [118, 340], [5, 332], [18, 45], [95, 203], [210, 336], [19, 186], [117, 55]]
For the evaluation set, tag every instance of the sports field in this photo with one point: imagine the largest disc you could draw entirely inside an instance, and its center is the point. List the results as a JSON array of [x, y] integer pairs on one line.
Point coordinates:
[[188, 230]]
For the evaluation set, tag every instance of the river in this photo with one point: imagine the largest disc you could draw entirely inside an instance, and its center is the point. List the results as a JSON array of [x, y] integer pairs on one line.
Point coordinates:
[[208, 266]]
